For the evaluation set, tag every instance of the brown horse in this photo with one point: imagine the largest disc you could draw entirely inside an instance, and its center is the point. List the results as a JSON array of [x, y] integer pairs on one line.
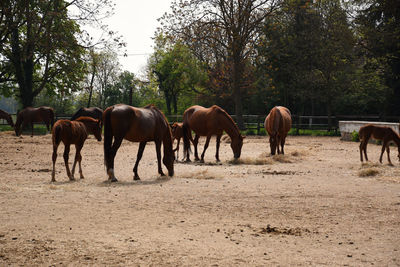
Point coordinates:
[[73, 132], [5, 116], [29, 116], [137, 125], [177, 134], [208, 122], [386, 134], [277, 124], [93, 112]]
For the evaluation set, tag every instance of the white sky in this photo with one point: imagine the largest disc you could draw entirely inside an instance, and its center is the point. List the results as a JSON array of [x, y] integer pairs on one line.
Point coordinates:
[[136, 21]]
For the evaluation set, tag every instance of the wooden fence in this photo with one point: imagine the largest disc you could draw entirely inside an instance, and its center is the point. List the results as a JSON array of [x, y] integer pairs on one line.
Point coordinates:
[[255, 123]]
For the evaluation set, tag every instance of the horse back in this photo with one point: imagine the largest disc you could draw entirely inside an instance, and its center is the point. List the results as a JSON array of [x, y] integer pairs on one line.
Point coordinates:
[[69, 132], [376, 132], [205, 121], [136, 124], [279, 120]]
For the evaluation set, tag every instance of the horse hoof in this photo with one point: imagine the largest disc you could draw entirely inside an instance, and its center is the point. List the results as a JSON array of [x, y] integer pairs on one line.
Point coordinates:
[[136, 178], [113, 180]]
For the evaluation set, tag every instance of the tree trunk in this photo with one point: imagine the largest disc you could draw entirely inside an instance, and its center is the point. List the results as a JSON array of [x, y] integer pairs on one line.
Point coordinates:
[[130, 96], [237, 94]]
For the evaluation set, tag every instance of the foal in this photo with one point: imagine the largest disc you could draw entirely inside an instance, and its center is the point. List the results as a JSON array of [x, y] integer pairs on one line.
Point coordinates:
[[177, 133], [386, 134], [73, 132]]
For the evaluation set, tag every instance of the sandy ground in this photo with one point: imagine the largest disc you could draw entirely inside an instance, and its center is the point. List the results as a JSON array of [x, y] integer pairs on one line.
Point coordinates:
[[309, 207]]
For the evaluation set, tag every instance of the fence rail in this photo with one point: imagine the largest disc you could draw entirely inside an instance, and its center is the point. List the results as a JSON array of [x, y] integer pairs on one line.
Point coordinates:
[[256, 122]]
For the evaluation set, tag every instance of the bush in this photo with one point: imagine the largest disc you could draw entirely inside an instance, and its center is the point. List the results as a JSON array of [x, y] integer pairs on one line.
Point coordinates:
[[354, 136]]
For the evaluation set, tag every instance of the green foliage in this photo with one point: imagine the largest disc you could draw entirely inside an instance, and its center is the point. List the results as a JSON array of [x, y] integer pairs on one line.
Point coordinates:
[[310, 132], [354, 136], [177, 72]]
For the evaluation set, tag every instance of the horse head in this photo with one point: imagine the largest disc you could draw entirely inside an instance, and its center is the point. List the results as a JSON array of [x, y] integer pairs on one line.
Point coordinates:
[[97, 130], [236, 145], [169, 155]]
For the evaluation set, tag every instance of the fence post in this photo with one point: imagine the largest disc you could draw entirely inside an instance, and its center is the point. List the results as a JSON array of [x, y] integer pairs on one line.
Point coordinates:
[[258, 124]]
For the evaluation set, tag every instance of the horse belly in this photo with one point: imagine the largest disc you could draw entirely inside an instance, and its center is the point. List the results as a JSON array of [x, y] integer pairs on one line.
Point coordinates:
[[140, 133]]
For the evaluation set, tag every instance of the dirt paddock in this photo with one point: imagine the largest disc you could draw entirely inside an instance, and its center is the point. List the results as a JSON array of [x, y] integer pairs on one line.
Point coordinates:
[[316, 205]]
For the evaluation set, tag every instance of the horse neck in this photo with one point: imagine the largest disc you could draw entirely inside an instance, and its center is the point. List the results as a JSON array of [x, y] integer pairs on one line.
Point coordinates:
[[19, 120], [230, 127], [396, 138]]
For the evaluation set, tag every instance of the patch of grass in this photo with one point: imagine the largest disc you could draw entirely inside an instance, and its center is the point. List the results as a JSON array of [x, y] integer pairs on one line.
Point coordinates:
[[37, 130], [312, 132], [368, 172], [4, 128]]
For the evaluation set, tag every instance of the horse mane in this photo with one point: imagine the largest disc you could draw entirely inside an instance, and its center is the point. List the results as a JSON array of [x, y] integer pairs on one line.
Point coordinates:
[[222, 111]]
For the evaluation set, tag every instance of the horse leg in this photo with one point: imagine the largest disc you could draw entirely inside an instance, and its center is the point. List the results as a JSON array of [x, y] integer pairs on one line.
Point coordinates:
[[361, 151], [110, 158], [205, 148], [388, 151], [32, 128], [278, 142], [54, 157], [195, 143], [385, 145], [158, 151], [78, 158], [142, 145], [66, 155], [218, 143], [283, 144], [177, 149], [382, 151]]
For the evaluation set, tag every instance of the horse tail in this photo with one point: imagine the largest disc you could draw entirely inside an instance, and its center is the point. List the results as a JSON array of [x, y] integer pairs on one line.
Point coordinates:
[[186, 141], [57, 134], [108, 135], [51, 111]]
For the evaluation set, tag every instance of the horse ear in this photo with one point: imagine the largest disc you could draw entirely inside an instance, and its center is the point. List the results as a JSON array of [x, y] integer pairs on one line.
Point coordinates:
[[243, 136]]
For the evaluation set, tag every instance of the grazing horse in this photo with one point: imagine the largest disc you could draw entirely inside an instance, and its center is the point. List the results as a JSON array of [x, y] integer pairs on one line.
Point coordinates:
[[177, 134], [93, 112], [208, 122], [29, 116], [386, 134], [277, 124], [73, 132], [4, 115], [136, 125]]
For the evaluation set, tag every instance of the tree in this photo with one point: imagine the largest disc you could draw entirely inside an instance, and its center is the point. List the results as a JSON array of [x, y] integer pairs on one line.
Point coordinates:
[[378, 22], [220, 31], [307, 52], [43, 44], [106, 77], [176, 70]]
